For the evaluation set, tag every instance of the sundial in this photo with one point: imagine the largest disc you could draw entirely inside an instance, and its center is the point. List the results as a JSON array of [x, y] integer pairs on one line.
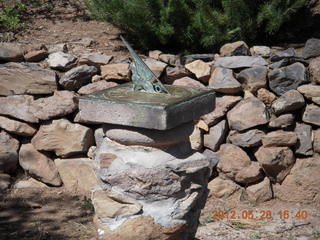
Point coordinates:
[[146, 102]]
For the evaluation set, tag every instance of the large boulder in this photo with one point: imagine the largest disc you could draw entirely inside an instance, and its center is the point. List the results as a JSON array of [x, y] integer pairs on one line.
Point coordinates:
[[239, 48], [252, 79], [240, 62], [16, 127], [222, 81], [8, 152], [288, 102]]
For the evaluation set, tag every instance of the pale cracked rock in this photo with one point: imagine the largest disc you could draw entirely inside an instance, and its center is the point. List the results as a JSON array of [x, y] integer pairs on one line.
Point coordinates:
[[61, 61], [279, 138], [77, 174], [188, 82], [248, 113], [283, 121], [196, 139], [222, 81], [240, 62], [77, 77], [5, 182], [312, 114], [174, 73], [157, 67], [216, 136], [8, 152], [96, 86], [26, 78], [311, 92], [118, 71], [16, 127], [311, 48], [38, 165], [222, 188], [314, 70], [200, 69], [260, 192], [94, 59], [263, 51], [239, 48], [251, 138], [63, 137], [266, 96], [223, 105], [252, 79], [275, 161], [304, 144], [316, 140], [250, 174], [232, 160], [288, 102]]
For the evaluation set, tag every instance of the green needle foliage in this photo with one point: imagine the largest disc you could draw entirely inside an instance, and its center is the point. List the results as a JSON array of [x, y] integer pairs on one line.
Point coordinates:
[[195, 25]]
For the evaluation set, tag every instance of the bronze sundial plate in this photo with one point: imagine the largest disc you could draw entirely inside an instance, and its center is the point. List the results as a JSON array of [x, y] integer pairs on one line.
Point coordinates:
[[124, 106]]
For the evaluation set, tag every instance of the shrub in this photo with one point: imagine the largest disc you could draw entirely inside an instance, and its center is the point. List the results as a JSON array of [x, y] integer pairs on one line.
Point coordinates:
[[194, 25]]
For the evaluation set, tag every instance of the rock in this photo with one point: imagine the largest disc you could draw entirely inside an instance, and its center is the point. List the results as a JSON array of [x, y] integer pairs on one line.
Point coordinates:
[[260, 192], [304, 144], [118, 71], [174, 73], [266, 96], [240, 62], [29, 183], [196, 139], [188, 82], [38, 165], [94, 59], [275, 161], [26, 78], [311, 92], [77, 174], [18, 106], [251, 138], [232, 160], [36, 55], [287, 78], [216, 136], [155, 54], [157, 67], [314, 70], [8, 152], [61, 47], [238, 48], [61, 61], [200, 69], [282, 63], [252, 79], [311, 48], [60, 104], [77, 77], [16, 127], [202, 125], [288, 53], [5, 182], [222, 81], [96, 86], [248, 113], [222, 188], [279, 138], [212, 156], [63, 137], [312, 114], [288, 102], [223, 105], [10, 52], [283, 121], [316, 140], [87, 41], [91, 152], [204, 57], [302, 184], [96, 78], [263, 51], [250, 174], [170, 59]]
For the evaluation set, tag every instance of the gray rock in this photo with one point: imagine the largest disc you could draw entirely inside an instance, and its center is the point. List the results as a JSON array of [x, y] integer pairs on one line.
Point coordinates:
[[312, 48], [94, 59], [174, 73], [222, 81], [251, 138], [282, 63], [279, 138], [16, 127], [314, 70], [240, 62], [289, 101], [316, 140], [260, 192], [61, 61], [5, 182], [288, 53], [312, 114], [190, 58], [252, 79], [238, 48], [77, 77], [10, 52], [304, 144], [8, 152], [170, 59], [283, 121], [216, 136], [311, 92], [287, 78], [96, 86]]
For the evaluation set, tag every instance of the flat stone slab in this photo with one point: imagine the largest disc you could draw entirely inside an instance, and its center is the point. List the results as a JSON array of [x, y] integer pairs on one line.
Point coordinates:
[[121, 105]]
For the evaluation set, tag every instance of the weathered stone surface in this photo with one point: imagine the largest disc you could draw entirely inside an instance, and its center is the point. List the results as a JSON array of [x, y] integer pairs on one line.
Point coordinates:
[[260, 192], [266, 96], [26, 78], [196, 139], [288, 53], [314, 70], [16, 127], [263, 51], [222, 80], [303, 182], [171, 59], [304, 144], [204, 57], [10, 52], [316, 140], [188, 82], [96, 78], [238, 48], [155, 54], [60, 104], [96, 86], [174, 73], [36, 55], [223, 105], [216, 136], [5, 182], [253, 79], [77, 174], [119, 71], [248, 113], [288, 102], [279, 138], [287, 78], [251, 138], [60, 47], [200, 69], [94, 59], [310, 91], [222, 188], [38, 165], [232, 160], [312, 114], [8, 152], [282, 63], [250, 174], [61, 61], [157, 67], [282, 121], [30, 183], [63, 137], [77, 77], [312, 48], [240, 62], [275, 161]]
